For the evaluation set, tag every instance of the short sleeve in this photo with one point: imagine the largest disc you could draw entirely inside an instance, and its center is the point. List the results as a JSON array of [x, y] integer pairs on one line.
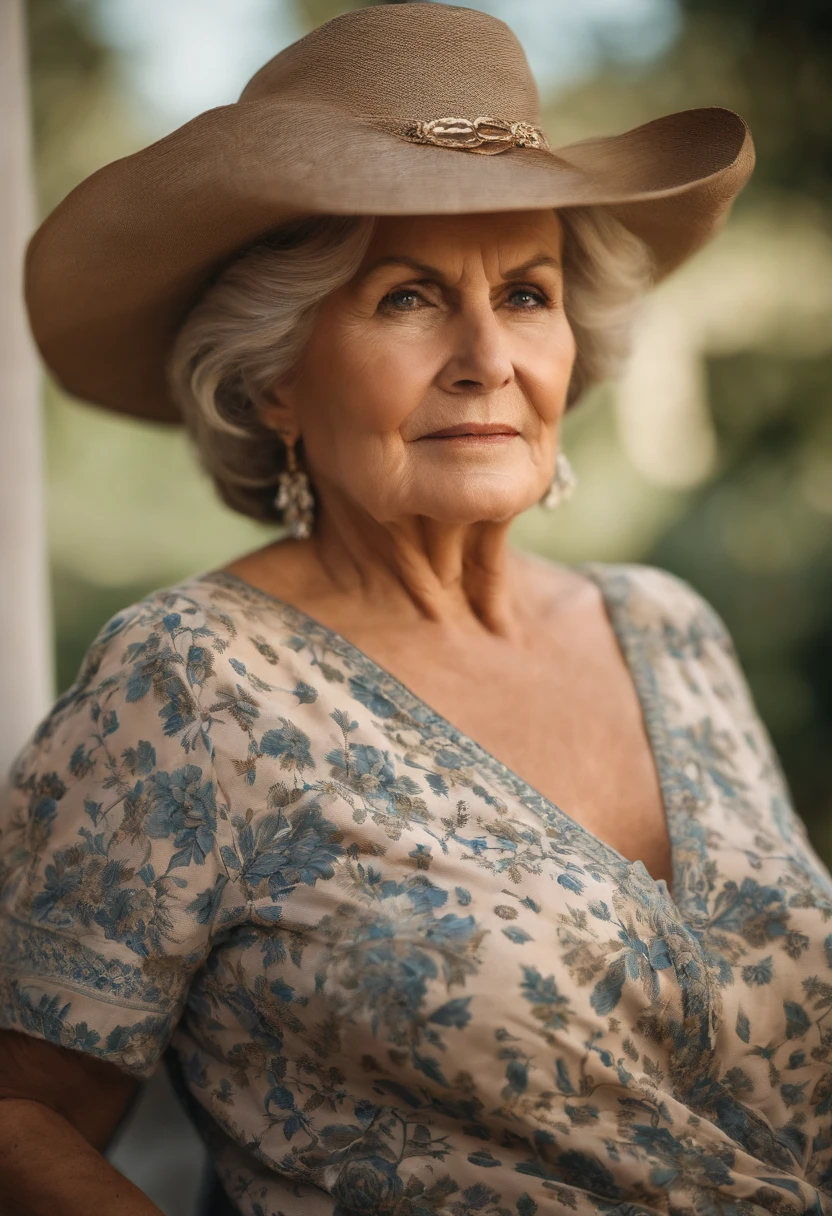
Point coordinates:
[[111, 875]]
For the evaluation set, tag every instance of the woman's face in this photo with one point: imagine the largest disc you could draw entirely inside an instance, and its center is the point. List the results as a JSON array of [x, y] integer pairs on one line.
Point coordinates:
[[451, 321]]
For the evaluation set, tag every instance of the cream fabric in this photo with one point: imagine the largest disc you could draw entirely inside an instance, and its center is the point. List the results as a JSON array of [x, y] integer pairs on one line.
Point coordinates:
[[396, 978]]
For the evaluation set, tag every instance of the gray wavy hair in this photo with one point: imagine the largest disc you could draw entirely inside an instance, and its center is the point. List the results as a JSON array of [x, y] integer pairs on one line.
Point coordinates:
[[251, 324]]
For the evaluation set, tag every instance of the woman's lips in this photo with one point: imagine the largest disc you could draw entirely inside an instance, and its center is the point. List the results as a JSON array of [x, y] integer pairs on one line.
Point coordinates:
[[476, 432]]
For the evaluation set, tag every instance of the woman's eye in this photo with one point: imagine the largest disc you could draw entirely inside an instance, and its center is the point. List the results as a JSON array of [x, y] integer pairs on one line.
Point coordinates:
[[537, 297], [403, 299], [392, 299]]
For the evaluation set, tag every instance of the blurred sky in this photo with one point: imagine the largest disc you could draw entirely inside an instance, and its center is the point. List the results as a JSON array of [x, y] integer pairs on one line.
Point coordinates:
[[185, 56]]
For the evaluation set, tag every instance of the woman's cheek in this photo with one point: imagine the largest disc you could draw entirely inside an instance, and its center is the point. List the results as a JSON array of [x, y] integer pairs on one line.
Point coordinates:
[[560, 361], [385, 391], [566, 341], [546, 380]]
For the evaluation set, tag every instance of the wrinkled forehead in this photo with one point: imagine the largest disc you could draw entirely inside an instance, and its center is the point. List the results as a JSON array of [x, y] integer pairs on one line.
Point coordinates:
[[494, 239]]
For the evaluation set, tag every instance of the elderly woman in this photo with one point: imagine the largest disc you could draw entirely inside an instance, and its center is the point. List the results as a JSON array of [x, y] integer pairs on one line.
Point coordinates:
[[448, 880]]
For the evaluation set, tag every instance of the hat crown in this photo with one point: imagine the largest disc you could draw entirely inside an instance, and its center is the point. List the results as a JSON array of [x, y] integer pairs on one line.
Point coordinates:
[[406, 61]]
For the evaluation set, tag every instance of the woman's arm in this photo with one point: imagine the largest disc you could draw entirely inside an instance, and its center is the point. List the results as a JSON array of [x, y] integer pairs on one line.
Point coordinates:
[[58, 1112], [112, 837]]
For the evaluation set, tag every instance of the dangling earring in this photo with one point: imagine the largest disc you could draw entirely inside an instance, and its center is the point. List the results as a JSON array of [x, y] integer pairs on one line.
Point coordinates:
[[562, 485], [294, 497]]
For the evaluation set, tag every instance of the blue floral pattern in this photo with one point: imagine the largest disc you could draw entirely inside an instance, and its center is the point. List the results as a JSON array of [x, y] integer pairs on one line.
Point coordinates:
[[397, 979]]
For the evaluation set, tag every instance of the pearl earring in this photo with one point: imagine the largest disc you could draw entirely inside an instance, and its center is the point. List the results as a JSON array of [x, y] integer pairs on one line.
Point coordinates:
[[294, 497], [562, 484]]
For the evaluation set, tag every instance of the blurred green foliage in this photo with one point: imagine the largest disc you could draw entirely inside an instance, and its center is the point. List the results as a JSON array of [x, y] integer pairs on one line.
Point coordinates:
[[752, 531]]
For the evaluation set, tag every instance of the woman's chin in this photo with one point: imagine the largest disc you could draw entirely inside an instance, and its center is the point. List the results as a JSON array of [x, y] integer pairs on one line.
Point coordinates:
[[472, 504]]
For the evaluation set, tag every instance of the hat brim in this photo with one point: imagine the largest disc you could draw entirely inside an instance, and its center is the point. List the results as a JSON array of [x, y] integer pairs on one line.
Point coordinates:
[[111, 273]]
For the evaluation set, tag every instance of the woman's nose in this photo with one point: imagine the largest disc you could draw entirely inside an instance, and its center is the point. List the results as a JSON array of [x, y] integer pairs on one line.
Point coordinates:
[[480, 350]]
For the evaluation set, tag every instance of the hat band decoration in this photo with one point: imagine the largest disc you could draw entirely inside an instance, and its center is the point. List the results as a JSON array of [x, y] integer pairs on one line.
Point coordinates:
[[483, 134]]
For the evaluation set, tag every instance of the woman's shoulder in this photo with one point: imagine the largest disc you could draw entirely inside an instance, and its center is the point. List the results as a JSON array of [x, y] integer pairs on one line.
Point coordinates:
[[658, 597], [138, 637], [197, 617], [640, 595], [163, 660], [667, 622]]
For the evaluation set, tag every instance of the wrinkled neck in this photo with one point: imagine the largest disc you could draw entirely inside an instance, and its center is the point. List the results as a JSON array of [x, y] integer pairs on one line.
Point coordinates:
[[459, 575]]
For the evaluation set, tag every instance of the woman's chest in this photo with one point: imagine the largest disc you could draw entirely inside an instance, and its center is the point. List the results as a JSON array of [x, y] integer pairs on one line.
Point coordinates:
[[565, 720], [408, 899], [402, 880]]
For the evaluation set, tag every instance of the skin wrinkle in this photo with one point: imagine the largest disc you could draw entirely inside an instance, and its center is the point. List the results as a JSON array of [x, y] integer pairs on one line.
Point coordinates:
[[413, 527], [514, 273]]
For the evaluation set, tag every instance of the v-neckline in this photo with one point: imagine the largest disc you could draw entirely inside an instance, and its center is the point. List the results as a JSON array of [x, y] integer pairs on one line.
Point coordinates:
[[658, 732]]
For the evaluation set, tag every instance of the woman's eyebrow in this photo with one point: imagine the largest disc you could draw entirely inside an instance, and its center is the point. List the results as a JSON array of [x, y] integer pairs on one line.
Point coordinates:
[[435, 273]]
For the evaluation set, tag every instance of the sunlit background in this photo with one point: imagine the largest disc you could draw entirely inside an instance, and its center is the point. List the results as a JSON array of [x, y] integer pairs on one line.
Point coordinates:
[[712, 458]]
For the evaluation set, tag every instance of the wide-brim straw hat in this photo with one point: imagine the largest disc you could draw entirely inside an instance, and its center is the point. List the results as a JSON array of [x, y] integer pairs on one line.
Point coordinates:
[[396, 109]]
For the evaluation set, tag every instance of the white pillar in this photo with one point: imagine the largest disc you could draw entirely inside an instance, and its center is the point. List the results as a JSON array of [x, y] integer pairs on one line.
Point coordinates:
[[26, 667]]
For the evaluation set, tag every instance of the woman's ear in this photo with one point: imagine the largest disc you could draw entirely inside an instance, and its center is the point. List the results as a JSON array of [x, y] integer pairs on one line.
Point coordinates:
[[277, 415]]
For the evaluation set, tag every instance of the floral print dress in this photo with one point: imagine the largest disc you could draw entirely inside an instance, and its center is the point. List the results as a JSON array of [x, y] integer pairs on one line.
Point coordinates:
[[397, 980]]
